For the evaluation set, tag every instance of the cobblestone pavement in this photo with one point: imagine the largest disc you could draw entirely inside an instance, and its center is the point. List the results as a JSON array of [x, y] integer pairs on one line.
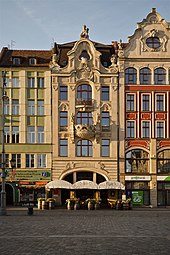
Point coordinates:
[[84, 232]]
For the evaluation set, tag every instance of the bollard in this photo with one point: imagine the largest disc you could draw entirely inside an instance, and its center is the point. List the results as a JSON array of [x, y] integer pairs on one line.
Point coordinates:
[[30, 210]]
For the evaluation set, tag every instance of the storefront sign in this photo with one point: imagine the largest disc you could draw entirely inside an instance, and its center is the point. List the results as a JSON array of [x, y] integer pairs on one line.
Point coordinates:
[[137, 197], [28, 175], [137, 178], [163, 178]]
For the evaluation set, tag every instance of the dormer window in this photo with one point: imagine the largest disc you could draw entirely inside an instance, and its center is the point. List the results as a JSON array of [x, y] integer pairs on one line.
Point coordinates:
[[16, 61], [32, 61], [84, 54]]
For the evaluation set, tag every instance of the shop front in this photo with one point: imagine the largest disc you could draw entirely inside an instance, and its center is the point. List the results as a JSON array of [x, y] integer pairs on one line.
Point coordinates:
[[138, 189], [163, 188]]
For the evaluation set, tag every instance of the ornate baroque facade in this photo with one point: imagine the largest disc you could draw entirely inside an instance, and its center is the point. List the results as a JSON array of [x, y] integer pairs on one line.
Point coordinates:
[[86, 110]]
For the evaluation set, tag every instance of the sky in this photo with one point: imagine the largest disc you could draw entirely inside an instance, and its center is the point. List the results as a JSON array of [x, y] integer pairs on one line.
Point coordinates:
[[37, 24]]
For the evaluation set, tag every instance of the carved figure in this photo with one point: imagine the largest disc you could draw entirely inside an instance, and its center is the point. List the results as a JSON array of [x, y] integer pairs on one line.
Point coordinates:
[[84, 33]]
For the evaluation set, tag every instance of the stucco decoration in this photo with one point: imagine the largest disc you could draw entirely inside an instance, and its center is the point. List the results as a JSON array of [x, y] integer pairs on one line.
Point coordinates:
[[113, 67], [85, 131], [154, 33], [105, 107], [63, 106], [84, 71], [120, 49], [84, 32], [54, 66]]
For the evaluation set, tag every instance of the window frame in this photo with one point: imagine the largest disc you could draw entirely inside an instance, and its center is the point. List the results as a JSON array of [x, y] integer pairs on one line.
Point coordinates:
[[146, 130], [160, 72], [84, 148], [130, 76], [145, 76], [105, 147], [63, 147], [130, 130]]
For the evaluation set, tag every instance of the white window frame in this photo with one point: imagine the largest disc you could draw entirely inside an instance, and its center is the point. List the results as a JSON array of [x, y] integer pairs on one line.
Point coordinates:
[[40, 107], [129, 137], [131, 94], [32, 61], [159, 94], [15, 82], [16, 61], [148, 121], [146, 94], [30, 134], [41, 160], [15, 107], [160, 121], [40, 132]]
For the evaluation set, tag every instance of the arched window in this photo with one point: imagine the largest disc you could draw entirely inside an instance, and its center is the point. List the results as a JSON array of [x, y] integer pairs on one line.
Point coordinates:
[[130, 75], [145, 76], [84, 148], [84, 93], [137, 161], [163, 162], [160, 76]]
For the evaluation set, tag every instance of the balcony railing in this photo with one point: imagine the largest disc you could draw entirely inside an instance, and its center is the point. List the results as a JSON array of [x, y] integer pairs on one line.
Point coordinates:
[[84, 102]]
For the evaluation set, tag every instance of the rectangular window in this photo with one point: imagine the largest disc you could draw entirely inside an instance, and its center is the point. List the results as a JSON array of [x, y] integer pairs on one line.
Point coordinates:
[[31, 82], [17, 159], [63, 149], [15, 82], [130, 129], [15, 134], [31, 134], [160, 103], [160, 129], [105, 93], [16, 61], [6, 134], [40, 82], [6, 107], [41, 160], [105, 120], [105, 148], [130, 102], [63, 93], [15, 107], [31, 107], [145, 129], [145, 102], [63, 120], [40, 134], [40, 107], [29, 160], [84, 118]]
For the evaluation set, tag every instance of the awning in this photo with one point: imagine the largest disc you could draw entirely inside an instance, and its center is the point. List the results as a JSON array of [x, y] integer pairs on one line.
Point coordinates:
[[58, 184], [111, 185], [85, 184]]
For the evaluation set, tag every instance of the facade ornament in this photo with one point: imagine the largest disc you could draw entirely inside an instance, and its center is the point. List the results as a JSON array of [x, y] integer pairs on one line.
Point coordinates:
[[55, 57], [85, 131], [84, 71], [63, 106], [55, 87], [120, 49], [84, 33], [113, 67]]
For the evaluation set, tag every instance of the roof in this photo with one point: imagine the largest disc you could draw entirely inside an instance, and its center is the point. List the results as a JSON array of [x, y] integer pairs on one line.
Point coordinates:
[[43, 57]]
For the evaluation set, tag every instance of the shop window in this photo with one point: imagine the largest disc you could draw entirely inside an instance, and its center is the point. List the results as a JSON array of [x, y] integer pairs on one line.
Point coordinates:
[[137, 161], [163, 162], [130, 76]]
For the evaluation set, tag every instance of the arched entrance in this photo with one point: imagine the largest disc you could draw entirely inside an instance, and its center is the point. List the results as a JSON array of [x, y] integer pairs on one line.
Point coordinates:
[[9, 193]]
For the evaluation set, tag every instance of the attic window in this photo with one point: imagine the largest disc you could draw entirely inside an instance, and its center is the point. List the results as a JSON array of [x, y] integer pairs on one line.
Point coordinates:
[[153, 42], [32, 61], [84, 54], [16, 61]]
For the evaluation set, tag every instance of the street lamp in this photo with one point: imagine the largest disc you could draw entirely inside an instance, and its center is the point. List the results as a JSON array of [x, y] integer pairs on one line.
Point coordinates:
[[3, 193]]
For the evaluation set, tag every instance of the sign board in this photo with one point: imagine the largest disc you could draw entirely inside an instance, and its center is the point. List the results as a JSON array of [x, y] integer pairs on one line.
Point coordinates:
[[137, 178], [163, 178], [137, 197]]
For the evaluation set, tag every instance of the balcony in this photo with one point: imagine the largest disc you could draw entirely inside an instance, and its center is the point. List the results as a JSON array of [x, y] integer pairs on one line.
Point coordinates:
[[85, 131], [85, 104]]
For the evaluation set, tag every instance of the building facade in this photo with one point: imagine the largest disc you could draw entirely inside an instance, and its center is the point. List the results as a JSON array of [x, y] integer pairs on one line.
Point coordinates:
[[89, 111]]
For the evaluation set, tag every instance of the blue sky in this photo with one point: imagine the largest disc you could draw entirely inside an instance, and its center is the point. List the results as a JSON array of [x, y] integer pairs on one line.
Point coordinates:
[[35, 24]]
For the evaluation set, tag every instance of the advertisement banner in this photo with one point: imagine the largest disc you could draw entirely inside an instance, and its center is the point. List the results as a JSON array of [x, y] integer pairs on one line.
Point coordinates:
[[137, 197]]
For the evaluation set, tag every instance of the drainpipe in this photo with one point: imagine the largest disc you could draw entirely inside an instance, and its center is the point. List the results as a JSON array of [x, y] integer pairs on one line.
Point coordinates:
[[118, 133]]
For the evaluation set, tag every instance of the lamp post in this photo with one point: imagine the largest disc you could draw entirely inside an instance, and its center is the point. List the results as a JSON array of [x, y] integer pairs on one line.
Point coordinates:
[[3, 193]]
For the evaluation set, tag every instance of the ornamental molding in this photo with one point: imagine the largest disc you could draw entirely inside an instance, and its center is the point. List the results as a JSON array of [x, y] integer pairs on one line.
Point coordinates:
[[63, 106], [55, 86], [105, 107], [85, 131], [154, 33]]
